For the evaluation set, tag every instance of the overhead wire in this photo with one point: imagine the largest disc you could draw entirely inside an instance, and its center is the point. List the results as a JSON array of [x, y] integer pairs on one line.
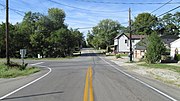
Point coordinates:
[[160, 16], [83, 8], [14, 10], [127, 3], [161, 6], [169, 11]]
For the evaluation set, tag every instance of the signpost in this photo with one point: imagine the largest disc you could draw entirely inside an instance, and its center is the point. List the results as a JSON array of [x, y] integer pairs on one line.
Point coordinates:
[[22, 53]]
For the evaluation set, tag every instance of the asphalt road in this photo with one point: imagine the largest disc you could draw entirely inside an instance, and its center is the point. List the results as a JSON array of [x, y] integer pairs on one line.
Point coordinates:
[[66, 82]]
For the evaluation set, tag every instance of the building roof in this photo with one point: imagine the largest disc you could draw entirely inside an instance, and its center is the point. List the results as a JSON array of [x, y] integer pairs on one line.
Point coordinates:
[[178, 40], [141, 45], [167, 39], [135, 37]]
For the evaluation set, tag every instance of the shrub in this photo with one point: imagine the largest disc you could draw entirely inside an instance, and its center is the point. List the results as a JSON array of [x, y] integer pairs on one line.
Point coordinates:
[[177, 57], [118, 56], [155, 48], [23, 67]]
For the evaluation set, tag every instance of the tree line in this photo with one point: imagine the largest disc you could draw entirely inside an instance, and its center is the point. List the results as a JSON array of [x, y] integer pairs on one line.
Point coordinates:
[[102, 35], [46, 35]]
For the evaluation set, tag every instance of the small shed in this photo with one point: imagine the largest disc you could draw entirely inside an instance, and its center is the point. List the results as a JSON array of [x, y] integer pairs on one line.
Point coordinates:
[[175, 47]]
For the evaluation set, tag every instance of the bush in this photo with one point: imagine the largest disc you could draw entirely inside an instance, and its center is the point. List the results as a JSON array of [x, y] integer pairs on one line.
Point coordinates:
[[118, 56], [23, 67], [177, 57], [155, 48]]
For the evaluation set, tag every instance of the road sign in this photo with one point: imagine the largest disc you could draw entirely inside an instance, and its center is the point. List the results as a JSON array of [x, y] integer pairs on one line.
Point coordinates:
[[23, 52]]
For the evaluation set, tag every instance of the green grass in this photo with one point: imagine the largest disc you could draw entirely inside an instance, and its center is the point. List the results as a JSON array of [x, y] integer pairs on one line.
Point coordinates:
[[162, 66], [124, 54], [13, 72]]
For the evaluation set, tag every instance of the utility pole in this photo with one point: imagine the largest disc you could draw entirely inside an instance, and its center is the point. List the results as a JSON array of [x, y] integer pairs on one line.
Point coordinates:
[[7, 32], [130, 36]]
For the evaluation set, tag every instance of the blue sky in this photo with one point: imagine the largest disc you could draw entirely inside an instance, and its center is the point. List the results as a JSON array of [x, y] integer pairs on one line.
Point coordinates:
[[90, 14]]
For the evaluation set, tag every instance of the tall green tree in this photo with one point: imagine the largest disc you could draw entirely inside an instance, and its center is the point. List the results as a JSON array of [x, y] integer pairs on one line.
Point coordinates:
[[63, 42], [89, 39], [105, 32], [144, 23], [169, 24], [2, 40], [57, 16], [155, 48]]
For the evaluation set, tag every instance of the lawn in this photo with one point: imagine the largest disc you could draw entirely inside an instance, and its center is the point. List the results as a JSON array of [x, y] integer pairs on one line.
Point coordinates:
[[12, 72], [162, 66]]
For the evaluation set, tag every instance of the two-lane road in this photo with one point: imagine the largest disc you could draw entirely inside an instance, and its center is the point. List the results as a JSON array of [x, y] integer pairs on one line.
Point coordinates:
[[66, 82]]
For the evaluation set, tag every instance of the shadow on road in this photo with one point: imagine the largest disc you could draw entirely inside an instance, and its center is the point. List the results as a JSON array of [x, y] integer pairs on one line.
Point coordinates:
[[33, 95]]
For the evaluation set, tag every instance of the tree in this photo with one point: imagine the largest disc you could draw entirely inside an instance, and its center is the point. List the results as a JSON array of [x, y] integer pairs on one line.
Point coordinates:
[[78, 38], [104, 33], [144, 23], [2, 40], [89, 39], [63, 40], [169, 24], [57, 16], [155, 48]]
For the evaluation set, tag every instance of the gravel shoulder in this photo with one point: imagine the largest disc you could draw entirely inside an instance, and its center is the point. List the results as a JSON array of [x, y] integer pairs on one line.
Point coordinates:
[[166, 76]]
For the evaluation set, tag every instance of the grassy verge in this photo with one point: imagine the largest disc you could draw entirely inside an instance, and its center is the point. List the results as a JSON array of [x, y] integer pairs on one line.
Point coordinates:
[[12, 72], [162, 66], [68, 57]]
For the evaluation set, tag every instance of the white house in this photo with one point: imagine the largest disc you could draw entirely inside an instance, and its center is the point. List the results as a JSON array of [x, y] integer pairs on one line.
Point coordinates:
[[122, 42], [175, 47]]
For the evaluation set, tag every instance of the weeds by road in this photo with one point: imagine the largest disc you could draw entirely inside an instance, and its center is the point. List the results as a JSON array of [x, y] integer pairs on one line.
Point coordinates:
[[12, 72], [162, 66]]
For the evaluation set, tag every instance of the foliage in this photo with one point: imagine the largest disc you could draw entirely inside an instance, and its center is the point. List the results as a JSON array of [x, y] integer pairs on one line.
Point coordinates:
[[103, 34], [6, 72], [155, 48], [118, 56], [46, 35], [169, 24], [162, 66], [177, 57], [144, 23]]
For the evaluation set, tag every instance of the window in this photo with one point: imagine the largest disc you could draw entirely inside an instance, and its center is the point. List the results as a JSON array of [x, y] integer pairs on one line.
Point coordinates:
[[125, 41]]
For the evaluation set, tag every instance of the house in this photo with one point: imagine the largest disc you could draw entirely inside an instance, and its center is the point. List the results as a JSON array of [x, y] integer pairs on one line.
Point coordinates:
[[167, 39], [122, 42], [175, 47], [140, 47]]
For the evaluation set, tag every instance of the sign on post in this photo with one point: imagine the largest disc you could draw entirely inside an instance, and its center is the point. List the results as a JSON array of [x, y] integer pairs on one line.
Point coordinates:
[[22, 53]]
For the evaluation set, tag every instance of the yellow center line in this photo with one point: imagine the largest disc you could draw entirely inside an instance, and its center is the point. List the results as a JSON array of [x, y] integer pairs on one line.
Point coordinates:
[[91, 95], [88, 89]]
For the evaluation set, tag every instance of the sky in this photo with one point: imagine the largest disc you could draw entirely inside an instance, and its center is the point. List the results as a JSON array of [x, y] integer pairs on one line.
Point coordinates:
[[84, 14]]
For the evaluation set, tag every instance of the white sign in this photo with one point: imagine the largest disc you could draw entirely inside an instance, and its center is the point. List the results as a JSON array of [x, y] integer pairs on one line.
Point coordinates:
[[23, 52]]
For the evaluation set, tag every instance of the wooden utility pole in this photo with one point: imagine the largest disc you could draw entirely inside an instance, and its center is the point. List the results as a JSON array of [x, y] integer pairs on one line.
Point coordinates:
[[130, 36], [7, 32]]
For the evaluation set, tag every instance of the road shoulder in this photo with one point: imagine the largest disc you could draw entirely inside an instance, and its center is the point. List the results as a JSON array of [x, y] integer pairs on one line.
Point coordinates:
[[11, 84], [132, 68]]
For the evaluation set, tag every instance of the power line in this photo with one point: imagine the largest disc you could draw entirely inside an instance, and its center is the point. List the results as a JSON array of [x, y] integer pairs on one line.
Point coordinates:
[[14, 10], [92, 27], [83, 8], [159, 16], [127, 3], [168, 11], [161, 6]]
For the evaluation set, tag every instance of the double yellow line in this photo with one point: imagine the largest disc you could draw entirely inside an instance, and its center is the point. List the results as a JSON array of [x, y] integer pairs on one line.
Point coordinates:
[[88, 90]]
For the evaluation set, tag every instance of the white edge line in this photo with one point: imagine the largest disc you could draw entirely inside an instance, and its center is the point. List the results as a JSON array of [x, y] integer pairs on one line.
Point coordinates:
[[147, 85], [36, 63], [3, 97]]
